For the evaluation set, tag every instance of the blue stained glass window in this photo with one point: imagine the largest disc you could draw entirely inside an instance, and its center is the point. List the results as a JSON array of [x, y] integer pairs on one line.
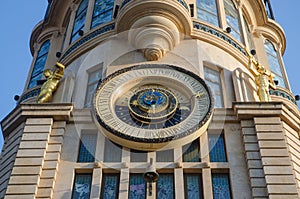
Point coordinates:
[[39, 65], [207, 11], [87, 147], [191, 152], [221, 187], [232, 19], [102, 12], [137, 187], [82, 186], [79, 20], [274, 63], [193, 186], [165, 186], [110, 186], [217, 148]]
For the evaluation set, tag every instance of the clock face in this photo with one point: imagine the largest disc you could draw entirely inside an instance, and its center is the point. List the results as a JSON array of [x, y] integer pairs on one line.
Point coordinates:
[[147, 107]]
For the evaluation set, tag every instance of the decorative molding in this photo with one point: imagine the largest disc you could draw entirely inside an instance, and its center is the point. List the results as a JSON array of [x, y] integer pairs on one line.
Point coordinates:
[[283, 94], [155, 35], [30, 94], [182, 2], [88, 37], [219, 34]]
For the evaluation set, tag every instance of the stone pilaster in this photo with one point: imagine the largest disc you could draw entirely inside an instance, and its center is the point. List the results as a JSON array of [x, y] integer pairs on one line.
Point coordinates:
[[51, 161], [253, 159], [275, 158], [29, 161], [37, 157], [266, 149]]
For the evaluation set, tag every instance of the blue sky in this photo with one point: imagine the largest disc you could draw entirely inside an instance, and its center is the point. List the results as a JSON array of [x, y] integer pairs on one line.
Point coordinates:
[[19, 17]]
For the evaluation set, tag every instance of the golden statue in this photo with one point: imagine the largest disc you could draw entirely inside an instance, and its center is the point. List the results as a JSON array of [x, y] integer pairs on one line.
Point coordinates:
[[49, 87], [264, 79]]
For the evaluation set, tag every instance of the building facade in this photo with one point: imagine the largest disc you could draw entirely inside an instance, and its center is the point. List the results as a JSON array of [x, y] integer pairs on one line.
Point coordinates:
[[154, 99]]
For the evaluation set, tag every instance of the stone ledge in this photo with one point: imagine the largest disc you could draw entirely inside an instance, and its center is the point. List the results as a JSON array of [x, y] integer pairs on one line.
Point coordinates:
[[56, 111]]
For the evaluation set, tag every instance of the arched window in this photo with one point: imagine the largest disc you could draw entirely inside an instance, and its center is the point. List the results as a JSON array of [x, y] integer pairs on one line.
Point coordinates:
[[207, 11], [274, 63], [38, 68], [79, 20], [232, 19], [102, 12]]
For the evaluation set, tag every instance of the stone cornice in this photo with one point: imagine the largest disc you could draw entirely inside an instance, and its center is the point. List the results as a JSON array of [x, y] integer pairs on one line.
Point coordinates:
[[59, 112], [249, 110]]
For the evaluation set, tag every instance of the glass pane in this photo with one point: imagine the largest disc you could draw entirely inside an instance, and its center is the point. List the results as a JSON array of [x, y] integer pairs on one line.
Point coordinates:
[[213, 80], [89, 95], [193, 186], [221, 188], [217, 148], [33, 80], [79, 23], [249, 35], [165, 156], [102, 12], [110, 186], [82, 7], [79, 20], [211, 75], [93, 79], [232, 18], [87, 147], [270, 48], [82, 186], [39, 65], [138, 156], [165, 186], [112, 152], [207, 11], [44, 48], [137, 187], [95, 76], [274, 63], [191, 152]]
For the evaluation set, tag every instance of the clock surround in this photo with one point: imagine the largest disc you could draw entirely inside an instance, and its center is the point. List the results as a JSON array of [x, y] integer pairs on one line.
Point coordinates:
[[152, 106]]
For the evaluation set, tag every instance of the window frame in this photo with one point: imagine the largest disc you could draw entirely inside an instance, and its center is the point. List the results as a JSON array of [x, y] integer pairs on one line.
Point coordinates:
[[35, 67], [83, 13], [217, 15], [145, 184], [200, 178], [240, 27], [105, 174], [74, 181], [97, 68], [222, 134], [93, 17], [219, 70], [221, 172], [279, 61], [87, 132]]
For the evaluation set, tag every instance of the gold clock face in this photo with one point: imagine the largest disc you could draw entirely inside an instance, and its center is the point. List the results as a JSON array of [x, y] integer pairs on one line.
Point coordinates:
[[148, 106]]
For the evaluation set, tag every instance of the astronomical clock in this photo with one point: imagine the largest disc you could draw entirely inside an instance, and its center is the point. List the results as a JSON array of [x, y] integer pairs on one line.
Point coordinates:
[[152, 107]]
